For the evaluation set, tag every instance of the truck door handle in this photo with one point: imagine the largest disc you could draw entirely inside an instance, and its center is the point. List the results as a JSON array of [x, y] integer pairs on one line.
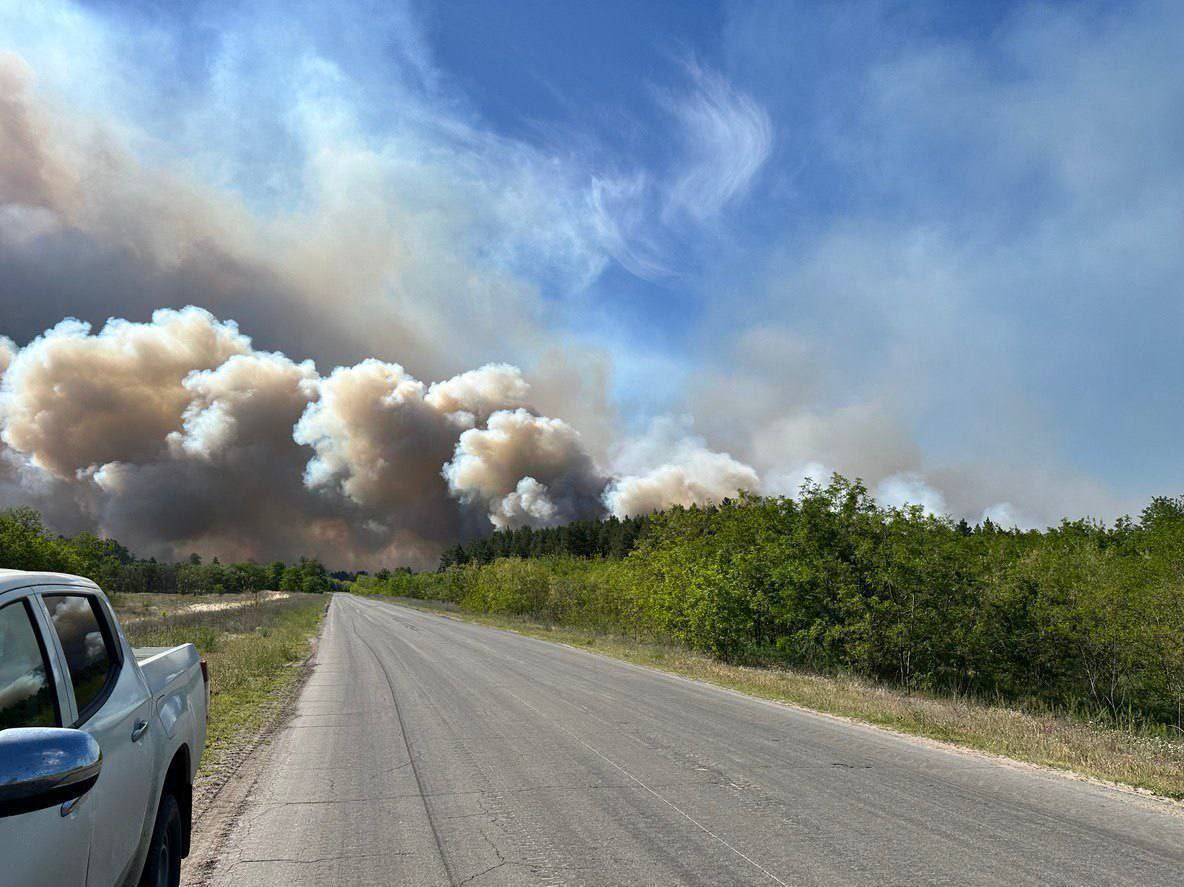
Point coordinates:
[[139, 730]]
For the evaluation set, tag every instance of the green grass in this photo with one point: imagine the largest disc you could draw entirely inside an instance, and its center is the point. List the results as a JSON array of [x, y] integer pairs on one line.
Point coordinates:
[[1139, 759], [251, 649]]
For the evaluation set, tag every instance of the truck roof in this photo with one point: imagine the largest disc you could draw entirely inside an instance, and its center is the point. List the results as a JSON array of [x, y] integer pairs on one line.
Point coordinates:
[[10, 579]]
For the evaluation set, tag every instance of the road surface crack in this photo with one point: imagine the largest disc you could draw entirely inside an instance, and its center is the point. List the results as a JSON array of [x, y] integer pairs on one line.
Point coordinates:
[[483, 872], [411, 757]]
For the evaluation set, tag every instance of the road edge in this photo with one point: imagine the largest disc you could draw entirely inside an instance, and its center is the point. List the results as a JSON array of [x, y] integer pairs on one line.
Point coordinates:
[[220, 800]]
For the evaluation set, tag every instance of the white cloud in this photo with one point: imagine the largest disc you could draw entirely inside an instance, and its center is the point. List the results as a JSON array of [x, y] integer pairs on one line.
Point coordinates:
[[727, 137]]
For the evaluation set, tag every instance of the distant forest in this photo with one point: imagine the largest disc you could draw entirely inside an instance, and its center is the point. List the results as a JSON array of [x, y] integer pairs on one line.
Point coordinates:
[[612, 537], [26, 544]]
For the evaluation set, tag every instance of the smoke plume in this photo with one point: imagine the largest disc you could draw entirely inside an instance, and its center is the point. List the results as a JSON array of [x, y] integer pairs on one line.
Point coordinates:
[[75, 401], [177, 434], [671, 466], [525, 469], [384, 359]]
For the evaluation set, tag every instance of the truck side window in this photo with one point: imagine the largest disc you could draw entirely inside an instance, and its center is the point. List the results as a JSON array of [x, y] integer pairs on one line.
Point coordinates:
[[87, 646], [27, 697]]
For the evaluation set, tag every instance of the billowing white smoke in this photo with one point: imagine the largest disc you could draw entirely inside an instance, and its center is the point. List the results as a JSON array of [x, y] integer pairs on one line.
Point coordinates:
[[376, 439], [529, 503], [909, 488], [73, 401], [380, 438], [176, 435], [525, 469], [671, 466], [471, 397], [250, 400]]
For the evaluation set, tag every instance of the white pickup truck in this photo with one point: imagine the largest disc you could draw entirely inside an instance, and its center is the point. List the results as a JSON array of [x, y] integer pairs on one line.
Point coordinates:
[[99, 743]]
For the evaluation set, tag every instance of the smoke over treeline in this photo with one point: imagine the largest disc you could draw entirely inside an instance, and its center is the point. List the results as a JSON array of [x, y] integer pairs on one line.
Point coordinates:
[[178, 435]]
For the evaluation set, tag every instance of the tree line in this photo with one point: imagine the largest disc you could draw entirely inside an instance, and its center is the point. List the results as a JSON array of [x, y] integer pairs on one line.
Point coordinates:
[[26, 544], [1083, 616], [611, 537]]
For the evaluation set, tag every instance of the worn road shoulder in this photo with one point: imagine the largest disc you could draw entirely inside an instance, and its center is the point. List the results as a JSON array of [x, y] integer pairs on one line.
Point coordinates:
[[220, 797]]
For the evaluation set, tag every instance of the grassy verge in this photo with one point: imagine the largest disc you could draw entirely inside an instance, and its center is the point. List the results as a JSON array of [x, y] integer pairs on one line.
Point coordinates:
[[1141, 760], [251, 648]]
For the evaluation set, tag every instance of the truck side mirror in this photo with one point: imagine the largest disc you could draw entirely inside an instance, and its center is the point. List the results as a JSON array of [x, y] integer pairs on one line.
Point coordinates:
[[44, 766]]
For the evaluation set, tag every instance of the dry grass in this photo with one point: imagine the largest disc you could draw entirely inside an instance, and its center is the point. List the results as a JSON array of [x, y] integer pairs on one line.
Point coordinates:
[[136, 607], [251, 647], [1141, 760]]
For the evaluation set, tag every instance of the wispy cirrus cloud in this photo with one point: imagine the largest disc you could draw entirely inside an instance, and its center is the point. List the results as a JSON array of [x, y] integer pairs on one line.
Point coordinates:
[[725, 137]]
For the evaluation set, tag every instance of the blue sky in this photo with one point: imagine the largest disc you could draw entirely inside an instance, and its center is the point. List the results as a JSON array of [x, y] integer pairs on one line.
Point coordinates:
[[932, 241]]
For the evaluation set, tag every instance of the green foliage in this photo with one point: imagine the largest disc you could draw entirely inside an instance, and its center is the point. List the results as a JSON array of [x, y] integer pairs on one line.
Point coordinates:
[[26, 544], [308, 576], [1081, 617], [612, 537]]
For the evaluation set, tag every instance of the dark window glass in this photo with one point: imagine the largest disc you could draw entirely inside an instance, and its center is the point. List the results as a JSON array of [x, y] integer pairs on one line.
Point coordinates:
[[85, 645], [26, 689]]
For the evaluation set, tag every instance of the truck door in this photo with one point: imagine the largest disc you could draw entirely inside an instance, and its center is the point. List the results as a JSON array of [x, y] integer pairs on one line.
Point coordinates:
[[113, 705], [46, 846]]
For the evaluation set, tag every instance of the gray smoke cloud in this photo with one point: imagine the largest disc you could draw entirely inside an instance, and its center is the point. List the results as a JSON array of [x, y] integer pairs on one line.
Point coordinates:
[[89, 227], [381, 437], [525, 469], [178, 435], [229, 479], [432, 244]]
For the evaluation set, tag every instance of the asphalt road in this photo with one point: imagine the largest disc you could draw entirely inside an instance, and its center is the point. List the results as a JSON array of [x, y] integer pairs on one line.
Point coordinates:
[[425, 750]]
